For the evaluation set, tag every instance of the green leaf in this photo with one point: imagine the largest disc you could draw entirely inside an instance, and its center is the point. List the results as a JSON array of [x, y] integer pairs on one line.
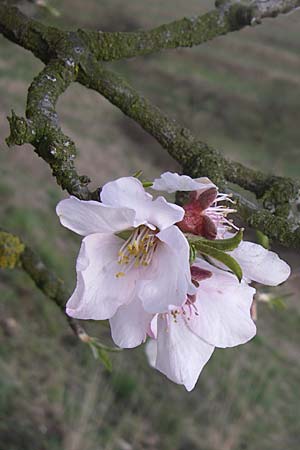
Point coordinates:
[[138, 174], [262, 239], [147, 184], [193, 253], [105, 359], [100, 351], [225, 245], [221, 256]]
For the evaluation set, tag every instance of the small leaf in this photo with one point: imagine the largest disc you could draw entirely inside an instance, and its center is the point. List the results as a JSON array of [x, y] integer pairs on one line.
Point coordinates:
[[100, 351], [105, 359], [193, 253], [225, 245], [147, 184], [262, 239], [221, 256], [138, 174]]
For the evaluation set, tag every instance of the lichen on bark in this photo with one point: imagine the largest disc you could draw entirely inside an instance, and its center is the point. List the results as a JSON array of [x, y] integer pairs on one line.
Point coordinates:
[[11, 249]]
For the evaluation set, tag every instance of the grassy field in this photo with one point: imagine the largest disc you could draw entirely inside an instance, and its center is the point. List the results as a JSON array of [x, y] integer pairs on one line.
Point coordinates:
[[240, 93]]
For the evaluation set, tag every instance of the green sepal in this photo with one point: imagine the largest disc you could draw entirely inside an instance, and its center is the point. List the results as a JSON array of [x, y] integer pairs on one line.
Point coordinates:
[[226, 245], [220, 256], [124, 234]]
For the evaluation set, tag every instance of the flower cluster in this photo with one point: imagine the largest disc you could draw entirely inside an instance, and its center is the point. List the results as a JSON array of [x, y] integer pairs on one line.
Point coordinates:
[[135, 269]]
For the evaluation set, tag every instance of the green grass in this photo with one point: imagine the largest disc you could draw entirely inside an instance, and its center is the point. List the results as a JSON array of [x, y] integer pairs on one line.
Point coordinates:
[[238, 93]]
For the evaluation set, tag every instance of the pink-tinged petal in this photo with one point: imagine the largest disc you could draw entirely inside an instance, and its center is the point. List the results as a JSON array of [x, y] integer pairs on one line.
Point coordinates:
[[222, 314], [181, 355], [99, 293], [207, 198], [261, 265], [128, 192], [130, 324], [88, 217], [168, 276], [172, 182], [197, 222]]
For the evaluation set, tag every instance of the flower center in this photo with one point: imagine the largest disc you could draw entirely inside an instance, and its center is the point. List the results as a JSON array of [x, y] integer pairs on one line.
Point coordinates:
[[138, 250]]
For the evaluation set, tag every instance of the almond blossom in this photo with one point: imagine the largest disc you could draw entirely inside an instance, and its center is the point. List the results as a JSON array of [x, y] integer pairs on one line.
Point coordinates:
[[184, 338], [203, 214], [219, 314], [151, 266], [257, 263], [144, 283]]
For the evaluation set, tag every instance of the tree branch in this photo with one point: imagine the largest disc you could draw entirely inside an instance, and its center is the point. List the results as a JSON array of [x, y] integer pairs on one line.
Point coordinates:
[[277, 215], [230, 15], [70, 56], [14, 253]]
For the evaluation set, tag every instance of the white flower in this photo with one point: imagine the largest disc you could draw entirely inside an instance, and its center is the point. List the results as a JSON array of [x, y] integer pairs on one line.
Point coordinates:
[[151, 267], [204, 215], [218, 316]]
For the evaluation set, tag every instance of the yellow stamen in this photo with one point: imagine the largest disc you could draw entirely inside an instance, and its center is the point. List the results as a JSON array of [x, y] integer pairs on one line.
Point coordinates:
[[120, 274]]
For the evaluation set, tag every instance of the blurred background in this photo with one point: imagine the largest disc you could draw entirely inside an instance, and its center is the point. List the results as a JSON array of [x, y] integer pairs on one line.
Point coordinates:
[[240, 93]]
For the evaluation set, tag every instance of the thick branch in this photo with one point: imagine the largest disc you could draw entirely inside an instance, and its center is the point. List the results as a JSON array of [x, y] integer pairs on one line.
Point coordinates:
[[278, 215], [230, 15], [41, 126], [72, 58], [28, 33]]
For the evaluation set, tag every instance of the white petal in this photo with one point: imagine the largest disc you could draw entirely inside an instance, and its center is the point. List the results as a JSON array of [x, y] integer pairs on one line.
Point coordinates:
[[181, 355], [261, 265], [163, 214], [168, 276], [151, 351], [99, 292], [223, 310], [172, 182], [88, 217], [128, 192], [129, 325]]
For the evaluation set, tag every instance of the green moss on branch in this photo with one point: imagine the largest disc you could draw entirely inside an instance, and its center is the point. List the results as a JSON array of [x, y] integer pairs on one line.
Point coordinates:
[[199, 159], [11, 249], [14, 253], [41, 126], [72, 56], [230, 15]]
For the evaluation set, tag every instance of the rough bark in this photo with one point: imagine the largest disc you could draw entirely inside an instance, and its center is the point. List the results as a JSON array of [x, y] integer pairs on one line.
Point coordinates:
[[71, 56]]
